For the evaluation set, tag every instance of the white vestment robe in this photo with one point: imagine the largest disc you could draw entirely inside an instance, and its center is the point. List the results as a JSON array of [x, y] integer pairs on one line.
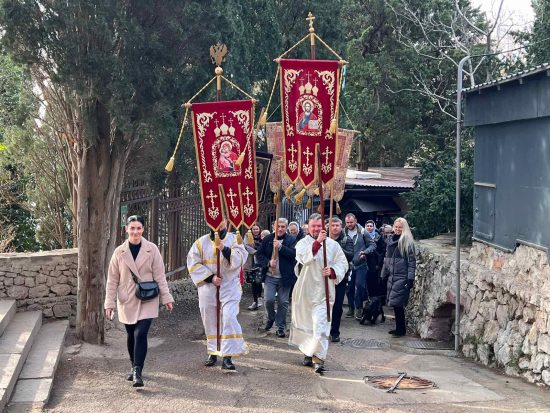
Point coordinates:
[[201, 264], [310, 329]]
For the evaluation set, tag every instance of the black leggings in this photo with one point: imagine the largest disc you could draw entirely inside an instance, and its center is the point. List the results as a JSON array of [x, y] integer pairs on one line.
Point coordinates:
[[256, 291], [400, 324], [137, 341]]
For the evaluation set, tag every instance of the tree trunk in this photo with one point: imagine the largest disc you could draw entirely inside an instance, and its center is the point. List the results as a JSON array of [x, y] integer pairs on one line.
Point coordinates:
[[100, 177]]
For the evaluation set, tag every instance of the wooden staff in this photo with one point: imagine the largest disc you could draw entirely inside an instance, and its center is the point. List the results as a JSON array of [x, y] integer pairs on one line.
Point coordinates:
[[218, 303], [218, 58], [322, 212], [276, 198]]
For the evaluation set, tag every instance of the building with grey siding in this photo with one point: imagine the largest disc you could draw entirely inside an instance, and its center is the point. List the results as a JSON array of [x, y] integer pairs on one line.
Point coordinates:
[[511, 121]]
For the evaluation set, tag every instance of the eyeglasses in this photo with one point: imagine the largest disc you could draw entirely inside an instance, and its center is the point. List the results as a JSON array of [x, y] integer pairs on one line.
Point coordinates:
[[134, 218]]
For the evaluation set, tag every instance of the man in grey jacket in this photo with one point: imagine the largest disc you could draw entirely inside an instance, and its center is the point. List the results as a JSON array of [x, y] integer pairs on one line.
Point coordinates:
[[362, 247]]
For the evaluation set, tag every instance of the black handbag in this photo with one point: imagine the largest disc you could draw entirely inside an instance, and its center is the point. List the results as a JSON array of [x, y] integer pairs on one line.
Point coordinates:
[[145, 290], [254, 276]]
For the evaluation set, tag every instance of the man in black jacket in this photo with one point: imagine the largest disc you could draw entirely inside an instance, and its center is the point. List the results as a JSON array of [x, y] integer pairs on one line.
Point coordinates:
[[279, 274], [346, 243]]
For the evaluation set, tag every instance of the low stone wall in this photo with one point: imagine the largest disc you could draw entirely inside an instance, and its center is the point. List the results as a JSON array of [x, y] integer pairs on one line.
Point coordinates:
[[505, 301], [41, 281], [47, 281]]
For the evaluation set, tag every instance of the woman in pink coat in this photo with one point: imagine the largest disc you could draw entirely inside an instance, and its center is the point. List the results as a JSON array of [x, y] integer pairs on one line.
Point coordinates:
[[141, 257]]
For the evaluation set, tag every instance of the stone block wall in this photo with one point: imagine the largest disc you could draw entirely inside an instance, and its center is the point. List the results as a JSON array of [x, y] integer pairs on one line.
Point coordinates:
[[41, 281], [47, 281], [505, 302]]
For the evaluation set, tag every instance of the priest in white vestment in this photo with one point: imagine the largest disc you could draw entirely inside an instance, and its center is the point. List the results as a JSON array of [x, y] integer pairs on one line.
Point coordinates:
[[310, 328], [201, 264]]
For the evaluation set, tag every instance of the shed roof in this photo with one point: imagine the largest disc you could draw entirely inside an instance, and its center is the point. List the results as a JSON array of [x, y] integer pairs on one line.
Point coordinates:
[[509, 78], [386, 177]]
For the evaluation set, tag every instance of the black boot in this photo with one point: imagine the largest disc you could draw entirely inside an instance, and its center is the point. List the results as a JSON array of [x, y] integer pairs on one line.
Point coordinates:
[[227, 364], [130, 375], [211, 360], [308, 361], [138, 381], [319, 366]]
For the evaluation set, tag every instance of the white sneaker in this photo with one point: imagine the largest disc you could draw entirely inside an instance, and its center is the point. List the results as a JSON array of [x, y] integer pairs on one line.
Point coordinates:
[[253, 306], [260, 302]]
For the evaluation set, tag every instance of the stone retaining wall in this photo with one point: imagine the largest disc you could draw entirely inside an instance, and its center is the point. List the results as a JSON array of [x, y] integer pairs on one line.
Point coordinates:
[[47, 281], [505, 301], [41, 281]]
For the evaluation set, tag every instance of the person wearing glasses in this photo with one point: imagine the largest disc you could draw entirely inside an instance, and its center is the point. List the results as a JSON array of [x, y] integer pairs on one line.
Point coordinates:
[[139, 257]]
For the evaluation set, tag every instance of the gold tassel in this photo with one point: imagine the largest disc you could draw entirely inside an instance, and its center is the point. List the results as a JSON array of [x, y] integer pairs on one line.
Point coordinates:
[[308, 203], [240, 159], [276, 198], [333, 125], [319, 208], [316, 191], [239, 238], [288, 191], [338, 210], [249, 237], [170, 165], [263, 119], [217, 239], [299, 196]]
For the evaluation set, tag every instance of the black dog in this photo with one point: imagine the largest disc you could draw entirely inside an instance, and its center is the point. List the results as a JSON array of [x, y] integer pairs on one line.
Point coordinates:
[[373, 309]]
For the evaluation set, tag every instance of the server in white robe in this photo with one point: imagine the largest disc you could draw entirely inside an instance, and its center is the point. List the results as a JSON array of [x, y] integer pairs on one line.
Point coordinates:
[[201, 264], [310, 329]]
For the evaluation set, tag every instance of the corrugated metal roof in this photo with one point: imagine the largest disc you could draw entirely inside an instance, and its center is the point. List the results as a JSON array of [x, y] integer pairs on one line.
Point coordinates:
[[389, 178], [509, 78]]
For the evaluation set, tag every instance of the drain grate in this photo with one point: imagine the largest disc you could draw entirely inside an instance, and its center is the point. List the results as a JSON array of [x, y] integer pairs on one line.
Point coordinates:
[[430, 345], [407, 382], [364, 343]]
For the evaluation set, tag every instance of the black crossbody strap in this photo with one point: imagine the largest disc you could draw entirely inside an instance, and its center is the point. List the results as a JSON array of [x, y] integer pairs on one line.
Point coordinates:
[[134, 277]]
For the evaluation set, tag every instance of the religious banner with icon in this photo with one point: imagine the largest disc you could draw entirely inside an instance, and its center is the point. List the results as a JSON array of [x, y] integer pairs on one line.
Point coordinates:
[[309, 96], [224, 146]]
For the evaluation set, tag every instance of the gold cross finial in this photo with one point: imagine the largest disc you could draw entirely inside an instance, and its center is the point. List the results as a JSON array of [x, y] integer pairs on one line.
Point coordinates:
[[310, 17]]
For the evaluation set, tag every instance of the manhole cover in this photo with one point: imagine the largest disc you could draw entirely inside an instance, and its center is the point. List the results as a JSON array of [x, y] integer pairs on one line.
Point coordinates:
[[407, 382], [430, 345], [363, 343]]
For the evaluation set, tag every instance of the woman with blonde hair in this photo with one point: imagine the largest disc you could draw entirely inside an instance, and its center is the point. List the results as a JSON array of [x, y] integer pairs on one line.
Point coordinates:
[[399, 270]]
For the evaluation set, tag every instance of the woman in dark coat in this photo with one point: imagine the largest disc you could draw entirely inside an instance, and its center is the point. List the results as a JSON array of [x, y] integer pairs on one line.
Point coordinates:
[[399, 269]]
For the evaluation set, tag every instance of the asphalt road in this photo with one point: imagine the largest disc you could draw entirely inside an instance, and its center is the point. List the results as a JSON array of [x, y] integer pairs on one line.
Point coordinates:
[[271, 378]]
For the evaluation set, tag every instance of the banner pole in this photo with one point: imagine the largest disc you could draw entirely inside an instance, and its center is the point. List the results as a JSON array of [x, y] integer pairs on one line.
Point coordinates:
[[217, 54]]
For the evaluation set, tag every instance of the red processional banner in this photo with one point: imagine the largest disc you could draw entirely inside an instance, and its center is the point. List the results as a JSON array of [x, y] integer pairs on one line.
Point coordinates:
[[224, 146], [309, 98]]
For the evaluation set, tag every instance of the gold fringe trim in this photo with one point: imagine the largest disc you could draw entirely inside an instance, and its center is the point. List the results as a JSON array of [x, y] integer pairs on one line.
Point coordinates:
[[308, 203], [338, 210], [288, 190], [299, 196]]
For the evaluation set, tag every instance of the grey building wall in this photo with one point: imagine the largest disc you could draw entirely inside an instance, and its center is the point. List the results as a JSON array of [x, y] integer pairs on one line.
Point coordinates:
[[512, 162]]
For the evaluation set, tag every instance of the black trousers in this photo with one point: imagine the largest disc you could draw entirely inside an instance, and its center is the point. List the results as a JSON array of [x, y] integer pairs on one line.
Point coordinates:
[[137, 341], [256, 291], [400, 326], [337, 310]]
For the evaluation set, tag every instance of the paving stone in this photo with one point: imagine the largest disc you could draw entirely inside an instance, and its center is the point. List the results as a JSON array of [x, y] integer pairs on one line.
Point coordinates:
[[32, 390], [44, 355], [7, 311], [18, 336]]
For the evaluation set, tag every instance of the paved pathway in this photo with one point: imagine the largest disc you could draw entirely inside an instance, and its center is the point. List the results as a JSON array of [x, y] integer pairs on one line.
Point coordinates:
[[271, 378]]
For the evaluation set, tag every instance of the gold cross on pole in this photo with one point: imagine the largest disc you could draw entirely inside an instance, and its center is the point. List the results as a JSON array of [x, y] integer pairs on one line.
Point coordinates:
[[310, 17]]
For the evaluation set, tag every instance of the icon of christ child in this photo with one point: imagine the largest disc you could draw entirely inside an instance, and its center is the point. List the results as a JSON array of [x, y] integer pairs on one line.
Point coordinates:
[[226, 161], [308, 121]]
